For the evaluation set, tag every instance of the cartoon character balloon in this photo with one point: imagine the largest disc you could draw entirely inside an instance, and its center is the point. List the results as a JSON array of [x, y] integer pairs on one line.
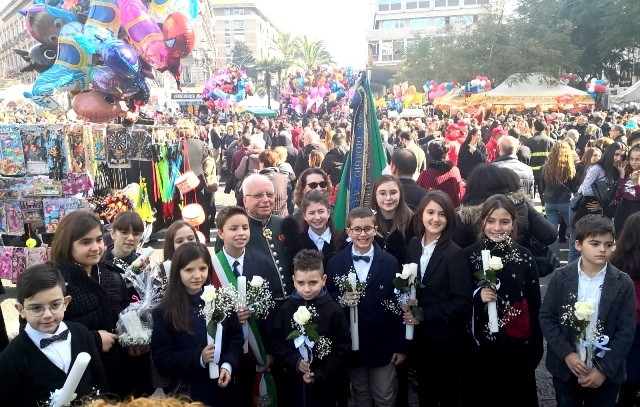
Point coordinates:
[[40, 58], [44, 23]]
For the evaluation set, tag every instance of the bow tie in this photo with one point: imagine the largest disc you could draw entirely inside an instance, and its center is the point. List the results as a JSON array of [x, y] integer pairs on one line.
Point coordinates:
[[366, 259], [62, 336]]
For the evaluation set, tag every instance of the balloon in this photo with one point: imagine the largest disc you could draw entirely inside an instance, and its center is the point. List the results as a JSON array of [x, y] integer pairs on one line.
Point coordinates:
[[44, 23], [144, 33], [40, 58], [448, 86], [97, 107], [103, 17], [31, 243], [161, 9], [179, 35], [70, 71], [592, 88], [340, 94], [399, 107], [483, 83], [110, 83], [488, 84]]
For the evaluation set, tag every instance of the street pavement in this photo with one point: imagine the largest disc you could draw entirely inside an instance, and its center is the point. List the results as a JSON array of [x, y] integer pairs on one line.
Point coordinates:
[[546, 394]]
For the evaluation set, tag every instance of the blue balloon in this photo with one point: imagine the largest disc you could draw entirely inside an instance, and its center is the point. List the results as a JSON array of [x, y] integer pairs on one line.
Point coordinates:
[[448, 86], [334, 86], [593, 94], [399, 107], [340, 93]]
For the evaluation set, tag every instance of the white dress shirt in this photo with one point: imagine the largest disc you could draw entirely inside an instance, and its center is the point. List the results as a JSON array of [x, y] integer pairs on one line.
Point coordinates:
[[362, 267], [427, 251], [319, 241], [590, 289], [232, 260], [59, 352]]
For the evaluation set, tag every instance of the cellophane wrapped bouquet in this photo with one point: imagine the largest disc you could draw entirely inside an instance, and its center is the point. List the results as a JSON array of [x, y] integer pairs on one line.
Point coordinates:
[[134, 322]]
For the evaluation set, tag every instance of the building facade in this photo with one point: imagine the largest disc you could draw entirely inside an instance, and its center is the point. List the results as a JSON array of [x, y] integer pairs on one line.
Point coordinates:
[[241, 21], [13, 35], [396, 24]]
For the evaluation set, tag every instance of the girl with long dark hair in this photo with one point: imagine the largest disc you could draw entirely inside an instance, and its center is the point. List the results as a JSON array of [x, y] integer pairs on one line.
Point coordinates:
[[473, 152]]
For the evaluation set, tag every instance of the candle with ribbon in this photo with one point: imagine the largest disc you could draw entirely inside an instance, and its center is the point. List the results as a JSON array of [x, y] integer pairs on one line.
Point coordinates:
[[353, 314], [65, 395], [209, 297], [492, 308], [242, 297]]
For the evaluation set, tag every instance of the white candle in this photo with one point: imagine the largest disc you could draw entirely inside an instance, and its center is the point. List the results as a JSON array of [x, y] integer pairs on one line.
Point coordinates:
[[242, 293], [214, 370], [146, 253], [408, 334], [67, 394], [492, 309], [353, 324]]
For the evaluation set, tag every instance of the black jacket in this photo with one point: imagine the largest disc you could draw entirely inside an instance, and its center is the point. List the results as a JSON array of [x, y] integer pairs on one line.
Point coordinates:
[[301, 240], [396, 244], [28, 377], [467, 160], [413, 193], [334, 162], [177, 354], [446, 295], [332, 324], [302, 161], [381, 331]]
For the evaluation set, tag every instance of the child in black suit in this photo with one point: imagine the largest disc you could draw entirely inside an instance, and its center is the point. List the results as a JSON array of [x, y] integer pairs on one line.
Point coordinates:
[[371, 369], [38, 360], [314, 381]]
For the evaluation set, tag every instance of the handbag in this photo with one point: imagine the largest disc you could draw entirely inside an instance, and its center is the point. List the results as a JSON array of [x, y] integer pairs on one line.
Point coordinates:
[[603, 192], [545, 258], [576, 200]]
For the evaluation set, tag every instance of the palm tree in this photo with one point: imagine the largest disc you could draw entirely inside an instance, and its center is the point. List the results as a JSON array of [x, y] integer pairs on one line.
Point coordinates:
[[269, 67], [288, 45], [312, 53]]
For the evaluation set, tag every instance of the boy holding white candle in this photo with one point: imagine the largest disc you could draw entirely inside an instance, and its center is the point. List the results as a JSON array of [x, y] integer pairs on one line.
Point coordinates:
[[235, 264], [39, 360], [371, 369], [313, 382]]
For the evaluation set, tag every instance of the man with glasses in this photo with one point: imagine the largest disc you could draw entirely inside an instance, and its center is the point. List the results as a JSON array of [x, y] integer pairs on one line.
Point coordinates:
[[618, 133], [266, 238]]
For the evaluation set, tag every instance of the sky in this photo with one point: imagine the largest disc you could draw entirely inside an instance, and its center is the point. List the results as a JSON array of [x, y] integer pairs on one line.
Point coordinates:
[[341, 24]]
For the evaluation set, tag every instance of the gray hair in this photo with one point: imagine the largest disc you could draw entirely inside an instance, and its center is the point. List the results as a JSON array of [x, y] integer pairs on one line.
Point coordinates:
[[254, 178], [508, 144], [573, 134], [618, 127], [384, 135]]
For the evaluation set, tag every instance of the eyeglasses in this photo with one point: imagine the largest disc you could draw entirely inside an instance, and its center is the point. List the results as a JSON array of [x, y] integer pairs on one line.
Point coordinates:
[[269, 195], [367, 230], [634, 160], [314, 185], [38, 310]]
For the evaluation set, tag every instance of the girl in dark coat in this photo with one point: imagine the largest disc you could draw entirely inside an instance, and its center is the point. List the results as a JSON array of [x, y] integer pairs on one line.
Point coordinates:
[[179, 340], [472, 153], [513, 352], [445, 298], [99, 294]]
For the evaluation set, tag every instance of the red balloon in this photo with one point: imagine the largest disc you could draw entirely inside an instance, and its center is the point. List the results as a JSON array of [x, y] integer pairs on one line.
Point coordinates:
[[179, 35], [488, 85]]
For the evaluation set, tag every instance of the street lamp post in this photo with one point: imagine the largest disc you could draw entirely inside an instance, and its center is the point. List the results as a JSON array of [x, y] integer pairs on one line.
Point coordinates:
[[204, 57]]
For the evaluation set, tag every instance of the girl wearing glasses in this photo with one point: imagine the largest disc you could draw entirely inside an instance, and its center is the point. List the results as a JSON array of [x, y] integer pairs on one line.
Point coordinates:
[[628, 189], [99, 294], [126, 232]]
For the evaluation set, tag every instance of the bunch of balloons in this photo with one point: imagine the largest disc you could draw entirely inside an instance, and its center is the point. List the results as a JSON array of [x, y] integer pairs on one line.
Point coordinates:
[[400, 97], [317, 90], [225, 87], [79, 51], [479, 84], [436, 89], [568, 76], [595, 86]]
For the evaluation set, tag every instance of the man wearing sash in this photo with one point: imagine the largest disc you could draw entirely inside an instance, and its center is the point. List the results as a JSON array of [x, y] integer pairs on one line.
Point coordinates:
[[232, 261]]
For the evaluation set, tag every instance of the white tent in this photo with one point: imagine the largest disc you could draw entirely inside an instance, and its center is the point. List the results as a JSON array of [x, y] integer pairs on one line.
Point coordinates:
[[257, 101], [406, 113], [632, 94], [535, 89]]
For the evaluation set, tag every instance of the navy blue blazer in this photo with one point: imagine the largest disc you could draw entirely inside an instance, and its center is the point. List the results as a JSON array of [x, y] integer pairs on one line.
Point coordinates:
[[381, 331], [446, 297], [616, 312]]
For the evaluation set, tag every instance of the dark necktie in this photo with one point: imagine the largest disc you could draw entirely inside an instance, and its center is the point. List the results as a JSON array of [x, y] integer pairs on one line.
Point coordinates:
[[366, 259], [235, 268], [62, 336]]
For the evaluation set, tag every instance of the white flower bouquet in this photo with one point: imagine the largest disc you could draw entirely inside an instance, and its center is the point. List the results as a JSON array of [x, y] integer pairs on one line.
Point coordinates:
[[305, 335], [350, 283], [218, 304], [588, 337], [407, 283], [258, 298]]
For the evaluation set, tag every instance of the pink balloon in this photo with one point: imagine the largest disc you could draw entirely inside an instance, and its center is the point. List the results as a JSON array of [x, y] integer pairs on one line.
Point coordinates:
[[479, 77]]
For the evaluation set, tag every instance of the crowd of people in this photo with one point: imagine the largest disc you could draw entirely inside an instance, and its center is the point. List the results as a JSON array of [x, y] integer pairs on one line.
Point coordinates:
[[453, 190]]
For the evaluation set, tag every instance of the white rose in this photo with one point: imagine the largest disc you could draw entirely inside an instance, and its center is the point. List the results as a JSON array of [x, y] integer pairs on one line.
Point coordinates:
[[495, 263], [302, 315], [583, 310], [414, 269], [256, 281], [406, 272], [353, 280], [209, 293]]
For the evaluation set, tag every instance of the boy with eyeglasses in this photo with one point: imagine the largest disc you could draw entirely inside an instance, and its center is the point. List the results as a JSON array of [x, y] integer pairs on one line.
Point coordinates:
[[38, 360], [372, 368]]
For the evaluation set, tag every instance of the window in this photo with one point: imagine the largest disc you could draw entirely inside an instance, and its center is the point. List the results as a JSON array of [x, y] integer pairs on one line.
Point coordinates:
[[411, 4], [453, 3], [238, 26], [411, 43], [419, 22], [226, 25], [391, 24], [238, 11], [441, 3], [227, 11], [470, 2], [186, 75], [395, 4], [466, 20], [383, 5], [438, 21], [387, 50], [453, 20], [374, 48], [398, 50]]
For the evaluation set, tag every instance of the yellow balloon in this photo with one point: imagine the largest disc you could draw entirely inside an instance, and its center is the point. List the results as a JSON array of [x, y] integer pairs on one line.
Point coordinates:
[[407, 100], [31, 243]]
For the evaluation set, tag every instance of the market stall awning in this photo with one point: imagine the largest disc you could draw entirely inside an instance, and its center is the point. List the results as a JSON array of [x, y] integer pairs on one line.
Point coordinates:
[[259, 112], [632, 94], [456, 98], [534, 90]]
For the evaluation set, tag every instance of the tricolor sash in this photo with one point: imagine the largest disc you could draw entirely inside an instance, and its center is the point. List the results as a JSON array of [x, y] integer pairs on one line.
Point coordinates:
[[265, 384]]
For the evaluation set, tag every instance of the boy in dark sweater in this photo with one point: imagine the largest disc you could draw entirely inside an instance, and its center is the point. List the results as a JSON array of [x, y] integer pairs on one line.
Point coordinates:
[[37, 361], [316, 378]]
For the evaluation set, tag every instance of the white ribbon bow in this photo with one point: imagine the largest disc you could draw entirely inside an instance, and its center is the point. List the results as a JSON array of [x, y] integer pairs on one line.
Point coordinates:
[[304, 345]]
